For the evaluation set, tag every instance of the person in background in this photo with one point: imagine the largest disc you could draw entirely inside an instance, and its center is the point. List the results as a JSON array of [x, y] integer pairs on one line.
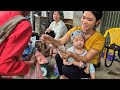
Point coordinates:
[[11, 49], [57, 29], [94, 43]]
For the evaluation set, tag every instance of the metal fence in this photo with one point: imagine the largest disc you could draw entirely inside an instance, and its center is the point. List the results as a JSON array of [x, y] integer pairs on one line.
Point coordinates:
[[111, 19]]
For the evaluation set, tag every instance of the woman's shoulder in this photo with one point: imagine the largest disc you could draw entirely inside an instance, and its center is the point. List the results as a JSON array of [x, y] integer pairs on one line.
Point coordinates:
[[52, 22], [61, 23], [99, 34]]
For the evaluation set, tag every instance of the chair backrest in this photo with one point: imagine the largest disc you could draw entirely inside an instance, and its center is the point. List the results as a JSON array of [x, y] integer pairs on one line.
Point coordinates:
[[113, 36]]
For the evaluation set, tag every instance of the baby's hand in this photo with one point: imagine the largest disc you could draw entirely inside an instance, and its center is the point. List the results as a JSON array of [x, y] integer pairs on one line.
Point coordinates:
[[67, 63], [81, 64], [86, 70]]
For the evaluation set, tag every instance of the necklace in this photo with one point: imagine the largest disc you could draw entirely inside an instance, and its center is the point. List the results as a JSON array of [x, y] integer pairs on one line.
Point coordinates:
[[80, 53]]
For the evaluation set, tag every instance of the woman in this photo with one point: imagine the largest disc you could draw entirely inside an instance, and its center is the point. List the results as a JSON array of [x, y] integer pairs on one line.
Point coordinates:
[[57, 28], [94, 43]]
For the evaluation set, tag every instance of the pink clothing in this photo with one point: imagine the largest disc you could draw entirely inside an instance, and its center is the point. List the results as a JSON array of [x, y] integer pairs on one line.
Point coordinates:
[[41, 58]]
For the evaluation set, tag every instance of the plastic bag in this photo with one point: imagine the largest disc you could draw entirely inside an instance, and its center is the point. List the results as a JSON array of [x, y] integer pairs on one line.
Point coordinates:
[[34, 73], [41, 58]]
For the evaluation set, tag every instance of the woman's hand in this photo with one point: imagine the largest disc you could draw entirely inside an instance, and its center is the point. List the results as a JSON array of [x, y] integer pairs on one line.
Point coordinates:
[[65, 55], [46, 39], [48, 30], [65, 62], [53, 52], [33, 60], [86, 70]]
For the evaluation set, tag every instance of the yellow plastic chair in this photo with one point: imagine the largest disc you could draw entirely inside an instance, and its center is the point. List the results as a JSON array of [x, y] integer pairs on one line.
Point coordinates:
[[112, 46]]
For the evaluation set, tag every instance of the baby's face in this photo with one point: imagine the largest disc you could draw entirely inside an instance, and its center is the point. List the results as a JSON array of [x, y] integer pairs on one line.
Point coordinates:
[[78, 41]]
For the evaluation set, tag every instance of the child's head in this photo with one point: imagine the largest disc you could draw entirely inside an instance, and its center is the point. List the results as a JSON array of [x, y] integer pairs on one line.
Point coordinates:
[[77, 38]]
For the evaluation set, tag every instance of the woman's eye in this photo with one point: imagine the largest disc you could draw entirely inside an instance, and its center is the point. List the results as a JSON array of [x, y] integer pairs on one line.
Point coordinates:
[[89, 19], [83, 18]]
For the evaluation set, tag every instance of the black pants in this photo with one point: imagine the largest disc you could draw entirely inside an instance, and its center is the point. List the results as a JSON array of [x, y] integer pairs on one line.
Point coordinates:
[[52, 34], [119, 51], [70, 71]]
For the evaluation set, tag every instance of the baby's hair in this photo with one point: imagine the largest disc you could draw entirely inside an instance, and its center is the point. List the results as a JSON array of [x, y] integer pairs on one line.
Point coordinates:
[[77, 32]]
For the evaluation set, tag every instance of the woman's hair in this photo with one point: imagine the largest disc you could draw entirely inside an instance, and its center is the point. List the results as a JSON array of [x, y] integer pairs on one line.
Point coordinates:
[[25, 13], [61, 14], [97, 14]]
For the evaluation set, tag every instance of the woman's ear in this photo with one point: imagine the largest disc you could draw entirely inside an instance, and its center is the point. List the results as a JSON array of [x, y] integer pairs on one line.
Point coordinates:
[[98, 22]]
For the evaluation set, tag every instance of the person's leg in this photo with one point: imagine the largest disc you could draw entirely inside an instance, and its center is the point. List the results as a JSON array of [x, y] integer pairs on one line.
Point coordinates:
[[59, 63], [74, 72], [63, 77], [119, 51], [92, 75], [92, 71]]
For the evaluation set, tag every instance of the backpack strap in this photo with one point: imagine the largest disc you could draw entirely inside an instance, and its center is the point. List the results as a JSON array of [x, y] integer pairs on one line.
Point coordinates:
[[8, 26]]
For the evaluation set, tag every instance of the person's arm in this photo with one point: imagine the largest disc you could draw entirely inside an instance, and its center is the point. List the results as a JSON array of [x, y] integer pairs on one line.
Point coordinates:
[[13, 50], [78, 64], [87, 69], [64, 61], [58, 42], [49, 28], [95, 49], [90, 54]]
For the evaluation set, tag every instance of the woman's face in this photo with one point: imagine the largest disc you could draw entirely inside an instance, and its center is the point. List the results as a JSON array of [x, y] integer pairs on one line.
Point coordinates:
[[88, 21], [56, 16], [78, 41]]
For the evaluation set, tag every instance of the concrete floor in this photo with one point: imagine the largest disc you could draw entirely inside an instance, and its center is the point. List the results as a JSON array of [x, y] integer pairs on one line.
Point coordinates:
[[103, 72], [112, 72]]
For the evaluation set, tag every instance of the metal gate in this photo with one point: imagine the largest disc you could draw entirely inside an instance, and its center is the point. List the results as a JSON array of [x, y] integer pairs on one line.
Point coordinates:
[[111, 19]]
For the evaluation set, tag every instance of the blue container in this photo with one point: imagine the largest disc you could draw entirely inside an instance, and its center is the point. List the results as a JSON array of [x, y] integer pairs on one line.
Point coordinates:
[[56, 72]]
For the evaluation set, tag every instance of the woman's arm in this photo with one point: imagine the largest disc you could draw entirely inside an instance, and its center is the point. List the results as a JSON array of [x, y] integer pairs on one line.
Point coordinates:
[[58, 42], [48, 30], [90, 54], [95, 49], [55, 42]]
